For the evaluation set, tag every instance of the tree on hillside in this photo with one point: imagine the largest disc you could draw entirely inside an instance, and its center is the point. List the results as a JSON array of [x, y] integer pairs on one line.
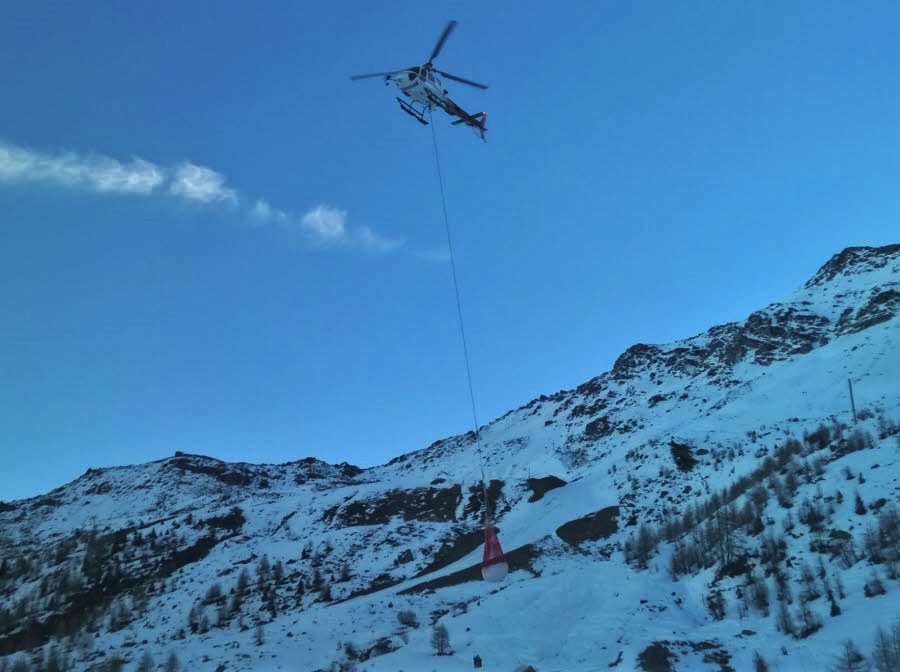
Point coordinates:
[[172, 664], [759, 663], [886, 655], [860, 506], [145, 664], [243, 582], [114, 664], [440, 640], [850, 659], [785, 622]]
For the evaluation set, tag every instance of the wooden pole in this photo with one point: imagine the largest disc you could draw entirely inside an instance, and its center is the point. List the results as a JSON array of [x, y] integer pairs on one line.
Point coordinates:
[[852, 403]]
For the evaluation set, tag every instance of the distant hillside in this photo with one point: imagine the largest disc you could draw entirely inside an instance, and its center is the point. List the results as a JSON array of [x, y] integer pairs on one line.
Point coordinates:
[[708, 504]]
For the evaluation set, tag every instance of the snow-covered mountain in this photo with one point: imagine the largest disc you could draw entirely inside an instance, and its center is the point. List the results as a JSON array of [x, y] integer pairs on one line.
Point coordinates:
[[710, 504]]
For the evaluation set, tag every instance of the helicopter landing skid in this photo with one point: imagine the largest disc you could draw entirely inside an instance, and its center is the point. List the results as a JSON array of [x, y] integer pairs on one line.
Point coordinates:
[[413, 112]]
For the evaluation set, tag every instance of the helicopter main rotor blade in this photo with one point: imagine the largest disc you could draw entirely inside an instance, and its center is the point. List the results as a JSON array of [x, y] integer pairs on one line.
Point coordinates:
[[443, 38], [375, 74], [461, 80]]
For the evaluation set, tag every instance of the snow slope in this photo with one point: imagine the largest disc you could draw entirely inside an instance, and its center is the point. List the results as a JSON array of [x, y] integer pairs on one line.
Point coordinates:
[[152, 539]]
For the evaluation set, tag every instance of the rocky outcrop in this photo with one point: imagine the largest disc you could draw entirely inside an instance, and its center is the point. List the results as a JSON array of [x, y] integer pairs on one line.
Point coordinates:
[[424, 504], [854, 260]]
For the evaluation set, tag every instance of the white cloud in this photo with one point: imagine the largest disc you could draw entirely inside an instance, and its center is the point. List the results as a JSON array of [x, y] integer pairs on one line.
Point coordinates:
[[96, 173], [374, 241], [197, 183], [263, 213], [326, 225], [323, 224]]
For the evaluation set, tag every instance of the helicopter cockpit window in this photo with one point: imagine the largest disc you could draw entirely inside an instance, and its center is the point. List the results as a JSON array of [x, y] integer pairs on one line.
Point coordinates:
[[412, 76]]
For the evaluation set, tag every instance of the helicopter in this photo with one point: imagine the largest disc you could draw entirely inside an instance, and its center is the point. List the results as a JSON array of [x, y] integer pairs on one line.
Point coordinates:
[[424, 90]]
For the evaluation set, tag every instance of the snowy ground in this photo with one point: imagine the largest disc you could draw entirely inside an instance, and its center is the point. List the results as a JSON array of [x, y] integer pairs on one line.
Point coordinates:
[[582, 610]]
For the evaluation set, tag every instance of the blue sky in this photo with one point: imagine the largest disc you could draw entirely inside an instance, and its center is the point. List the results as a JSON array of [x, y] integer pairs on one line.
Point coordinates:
[[212, 241]]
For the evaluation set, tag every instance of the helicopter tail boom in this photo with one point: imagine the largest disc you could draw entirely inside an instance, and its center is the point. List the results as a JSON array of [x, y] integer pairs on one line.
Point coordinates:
[[476, 121]]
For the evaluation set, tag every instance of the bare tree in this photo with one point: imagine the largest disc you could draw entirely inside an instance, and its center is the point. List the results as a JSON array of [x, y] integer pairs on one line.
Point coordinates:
[[645, 546], [145, 664], [886, 655], [172, 664], [850, 659], [440, 640], [785, 622]]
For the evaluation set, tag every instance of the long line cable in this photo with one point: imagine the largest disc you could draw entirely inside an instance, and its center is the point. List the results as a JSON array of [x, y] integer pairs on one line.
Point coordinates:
[[459, 314]]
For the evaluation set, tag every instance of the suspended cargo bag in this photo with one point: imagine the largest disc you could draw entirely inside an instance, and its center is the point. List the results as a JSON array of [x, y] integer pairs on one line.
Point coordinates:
[[493, 565]]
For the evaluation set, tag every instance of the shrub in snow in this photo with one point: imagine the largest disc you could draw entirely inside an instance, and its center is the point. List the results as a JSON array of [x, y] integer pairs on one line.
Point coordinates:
[[717, 605], [408, 618], [214, 594], [874, 587], [835, 608], [351, 651], [809, 621]]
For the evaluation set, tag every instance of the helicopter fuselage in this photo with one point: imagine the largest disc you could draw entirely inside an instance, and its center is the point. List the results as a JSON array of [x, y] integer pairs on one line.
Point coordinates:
[[420, 84]]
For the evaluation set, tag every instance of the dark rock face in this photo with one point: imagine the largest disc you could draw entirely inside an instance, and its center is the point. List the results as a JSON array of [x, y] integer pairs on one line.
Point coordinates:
[[681, 453], [853, 259], [765, 337], [769, 335], [598, 428], [457, 545], [656, 658], [659, 656], [541, 486], [519, 558], [882, 306], [475, 505], [593, 527], [632, 359], [349, 470], [222, 471], [427, 504], [232, 522], [404, 557]]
